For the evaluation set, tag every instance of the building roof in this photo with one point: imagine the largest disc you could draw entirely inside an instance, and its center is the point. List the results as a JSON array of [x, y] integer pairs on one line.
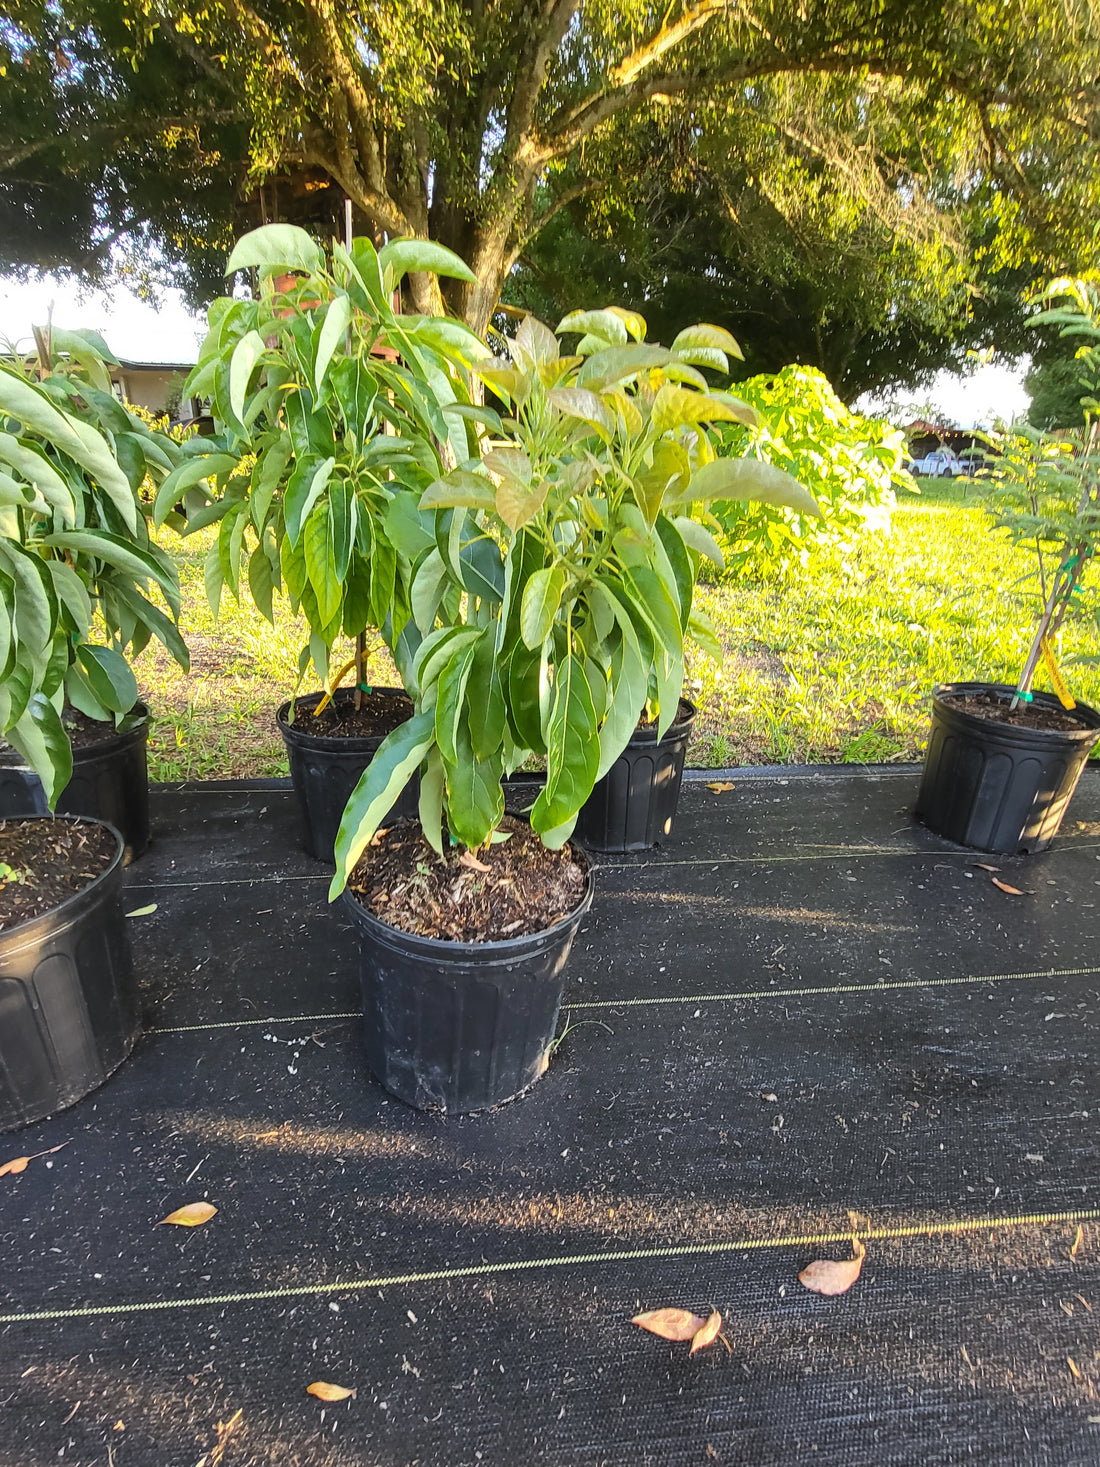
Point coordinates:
[[128, 366]]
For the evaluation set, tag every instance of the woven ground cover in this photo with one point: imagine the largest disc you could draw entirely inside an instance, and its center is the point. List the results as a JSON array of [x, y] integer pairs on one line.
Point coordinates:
[[804, 1017]]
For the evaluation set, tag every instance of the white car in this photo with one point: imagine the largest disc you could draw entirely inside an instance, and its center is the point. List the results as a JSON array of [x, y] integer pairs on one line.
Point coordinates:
[[941, 463]]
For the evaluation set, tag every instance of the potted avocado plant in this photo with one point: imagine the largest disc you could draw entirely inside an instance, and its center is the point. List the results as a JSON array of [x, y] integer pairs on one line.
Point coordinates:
[[572, 542], [77, 571], [80, 578], [345, 410], [1003, 761]]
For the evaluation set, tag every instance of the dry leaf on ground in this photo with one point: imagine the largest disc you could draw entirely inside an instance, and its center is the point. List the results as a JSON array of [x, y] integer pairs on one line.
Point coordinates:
[[143, 911], [670, 1324], [708, 1334], [469, 859], [720, 786], [19, 1164], [824, 1276], [191, 1216], [1077, 1240], [1012, 890], [325, 1392], [985, 866]]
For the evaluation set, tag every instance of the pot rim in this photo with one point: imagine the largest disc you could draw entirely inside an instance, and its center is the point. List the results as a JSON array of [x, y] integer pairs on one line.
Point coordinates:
[[29, 925], [303, 737], [10, 758], [1016, 732], [495, 948], [648, 735]]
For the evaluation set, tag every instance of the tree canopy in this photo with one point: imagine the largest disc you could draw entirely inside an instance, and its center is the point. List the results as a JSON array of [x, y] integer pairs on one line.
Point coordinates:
[[898, 156]]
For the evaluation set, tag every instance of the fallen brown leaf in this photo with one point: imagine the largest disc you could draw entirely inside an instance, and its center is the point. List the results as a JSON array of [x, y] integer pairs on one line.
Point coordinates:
[[984, 866], [19, 1164], [708, 1334], [1073, 1367], [721, 786], [824, 1276], [325, 1392], [469, 859], [1077, 1241], [191, 1216], [1012, 890], [670, 1324]]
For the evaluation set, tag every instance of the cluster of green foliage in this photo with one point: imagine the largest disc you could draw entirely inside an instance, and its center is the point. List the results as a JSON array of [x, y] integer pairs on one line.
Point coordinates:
[[1064, 378], [580, 507], [77, 566], [310, 397], [851, 464], [1045, 488]]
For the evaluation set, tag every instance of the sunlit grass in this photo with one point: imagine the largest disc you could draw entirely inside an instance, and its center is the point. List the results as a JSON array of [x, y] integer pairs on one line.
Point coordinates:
[[835, 664]]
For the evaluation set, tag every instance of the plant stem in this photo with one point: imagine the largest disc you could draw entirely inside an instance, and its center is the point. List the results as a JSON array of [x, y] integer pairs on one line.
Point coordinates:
[[360, 668]]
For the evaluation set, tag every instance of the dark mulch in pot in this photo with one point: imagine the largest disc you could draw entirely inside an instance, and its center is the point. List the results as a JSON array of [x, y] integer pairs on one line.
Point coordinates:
[[525, 889], [84, 733], [50, 860], [1027, 715], [683, 710], [379, 714]]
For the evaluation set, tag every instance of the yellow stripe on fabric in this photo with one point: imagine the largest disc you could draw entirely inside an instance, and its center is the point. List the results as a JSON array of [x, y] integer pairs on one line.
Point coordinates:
[[629, 1255]]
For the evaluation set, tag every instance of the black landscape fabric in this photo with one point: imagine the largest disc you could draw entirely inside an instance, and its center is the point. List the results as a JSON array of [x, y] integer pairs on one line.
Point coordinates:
[[803, 1017]]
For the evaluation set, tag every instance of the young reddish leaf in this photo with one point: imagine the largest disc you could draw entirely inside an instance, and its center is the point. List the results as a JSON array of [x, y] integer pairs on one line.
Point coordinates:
[[720, 786], [191, 1216], [469, 859], [670, 1324], [708, 1334], [20, 1163], [824, 1276], [325, 1392], [1012, 890]]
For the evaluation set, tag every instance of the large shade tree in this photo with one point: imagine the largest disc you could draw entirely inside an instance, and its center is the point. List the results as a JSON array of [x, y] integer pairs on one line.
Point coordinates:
[[475, 122]]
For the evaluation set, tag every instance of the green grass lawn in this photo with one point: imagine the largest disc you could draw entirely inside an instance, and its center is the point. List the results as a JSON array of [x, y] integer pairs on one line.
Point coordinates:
[[834, 664]]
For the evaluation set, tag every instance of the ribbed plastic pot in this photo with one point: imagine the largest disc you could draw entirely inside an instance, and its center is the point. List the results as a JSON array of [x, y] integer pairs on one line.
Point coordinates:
[[999, 786], [458, 1027], [110, 782], [634, 805], [68, 1001], [324, 771]]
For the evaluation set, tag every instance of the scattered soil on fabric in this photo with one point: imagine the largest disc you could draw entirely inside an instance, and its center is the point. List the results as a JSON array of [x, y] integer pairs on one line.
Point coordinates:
[[380, 713], [525, 890], [683, 712], [49, 861], [1028, 715]]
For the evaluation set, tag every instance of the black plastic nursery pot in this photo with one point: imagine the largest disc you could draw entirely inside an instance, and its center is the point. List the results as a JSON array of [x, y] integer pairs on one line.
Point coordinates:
[[458, 1027], [324, 769], [68, 1001], [999, 786], [110, 782], [634, 805]]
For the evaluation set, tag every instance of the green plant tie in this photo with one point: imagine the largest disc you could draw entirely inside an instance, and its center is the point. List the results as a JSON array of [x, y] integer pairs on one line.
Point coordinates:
[[1024, 697], [366, 687]]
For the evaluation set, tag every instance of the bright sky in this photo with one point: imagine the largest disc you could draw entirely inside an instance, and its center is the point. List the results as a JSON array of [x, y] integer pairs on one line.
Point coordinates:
[[137, 331], [133, 329]]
